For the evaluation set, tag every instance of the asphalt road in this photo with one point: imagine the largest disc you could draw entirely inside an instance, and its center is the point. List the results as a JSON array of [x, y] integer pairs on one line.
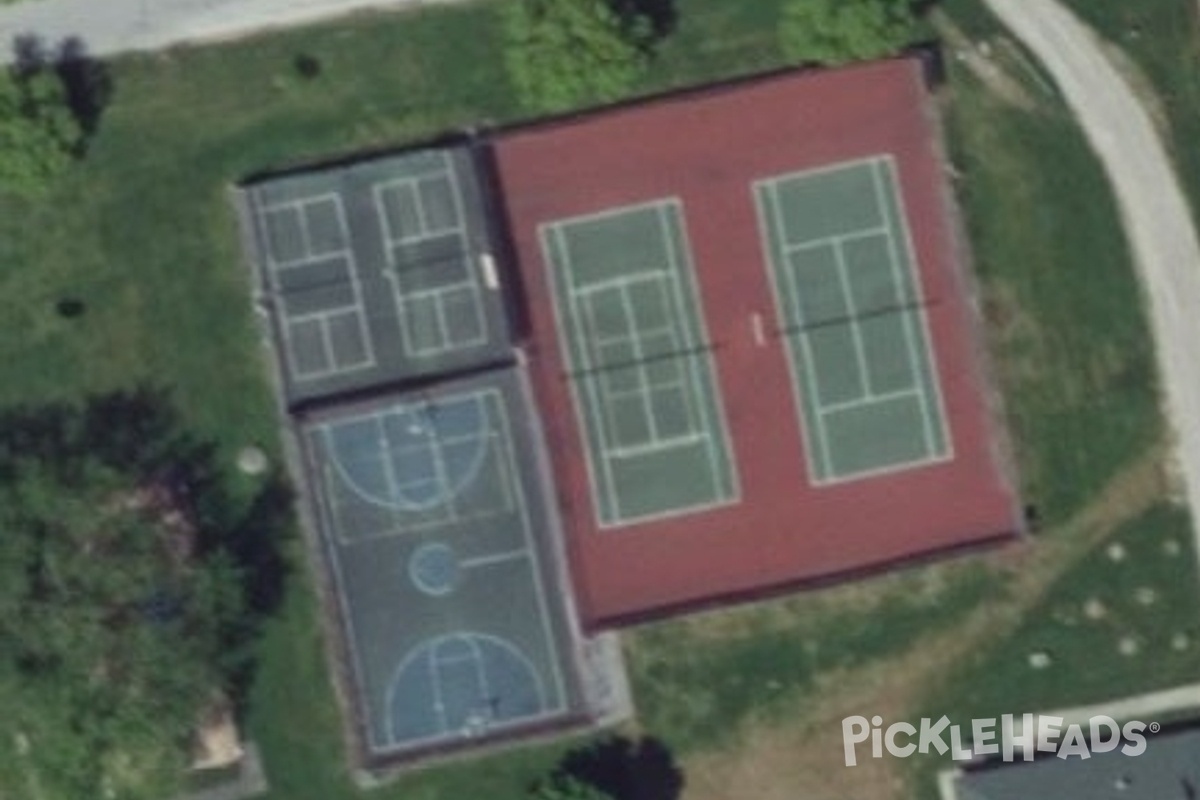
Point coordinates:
[[114, 26], [1154, 210]]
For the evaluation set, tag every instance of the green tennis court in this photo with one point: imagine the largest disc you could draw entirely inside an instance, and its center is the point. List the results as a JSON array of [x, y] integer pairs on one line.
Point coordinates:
[[377, 271], [639, 363], [850, 310]]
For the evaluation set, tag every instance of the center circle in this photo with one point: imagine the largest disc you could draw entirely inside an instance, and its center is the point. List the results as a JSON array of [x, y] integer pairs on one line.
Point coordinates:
[[434, 569]]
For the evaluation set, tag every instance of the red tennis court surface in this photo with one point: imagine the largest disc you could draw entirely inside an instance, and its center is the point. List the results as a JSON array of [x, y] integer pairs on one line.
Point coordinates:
[[706, 153]]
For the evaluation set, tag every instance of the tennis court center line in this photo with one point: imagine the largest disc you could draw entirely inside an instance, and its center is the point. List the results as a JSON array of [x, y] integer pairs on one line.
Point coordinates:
[[683, 264]]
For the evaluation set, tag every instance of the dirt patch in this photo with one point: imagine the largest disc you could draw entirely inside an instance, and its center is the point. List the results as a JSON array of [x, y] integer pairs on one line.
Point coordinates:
[[977, 59], [804, 758], [811, 610]]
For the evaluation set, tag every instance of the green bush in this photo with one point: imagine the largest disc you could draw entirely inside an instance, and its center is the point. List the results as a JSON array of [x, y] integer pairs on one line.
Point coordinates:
[[563, 53], [38, 133], [838, 31], [561, 786]]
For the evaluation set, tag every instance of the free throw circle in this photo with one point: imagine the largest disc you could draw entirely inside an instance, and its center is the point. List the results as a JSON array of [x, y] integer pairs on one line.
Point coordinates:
[[434, 569]]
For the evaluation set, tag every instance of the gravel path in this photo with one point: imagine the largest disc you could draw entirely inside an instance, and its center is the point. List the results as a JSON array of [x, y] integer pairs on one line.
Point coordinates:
[[1156, 215], [114, 26]]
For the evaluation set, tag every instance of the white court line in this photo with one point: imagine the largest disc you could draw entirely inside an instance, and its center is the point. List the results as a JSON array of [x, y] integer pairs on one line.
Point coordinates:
[[837, 238], [665, 386], [684, 265], [425, 233], [621, 281], [611, 213], [556, 651], [868, 400], [484, 685], [476, 299], [947, 451], [435, 681], [658, 446], [385, 464], [601, 489], [910, 337], [860, 349], [399, 503], [819, 462], [681, 340], [402, 297], [345, 254], [493, 560], [639, 356], [785, 248], [598, 343], [554, 233], [297, 206], [428, 647]]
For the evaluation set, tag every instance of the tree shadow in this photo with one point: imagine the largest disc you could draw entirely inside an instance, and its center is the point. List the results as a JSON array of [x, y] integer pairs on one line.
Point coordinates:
[[661, 15], [627, 769], [87, 81], [141, 434]]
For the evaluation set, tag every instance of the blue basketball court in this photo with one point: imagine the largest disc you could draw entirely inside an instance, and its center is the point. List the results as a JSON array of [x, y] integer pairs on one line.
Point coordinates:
[[435, 524]]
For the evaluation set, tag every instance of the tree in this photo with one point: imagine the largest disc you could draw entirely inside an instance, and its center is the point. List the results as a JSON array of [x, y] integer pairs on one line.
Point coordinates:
[[561, 53], [562, 786], [39, 134], [838, 31], [116, 610]]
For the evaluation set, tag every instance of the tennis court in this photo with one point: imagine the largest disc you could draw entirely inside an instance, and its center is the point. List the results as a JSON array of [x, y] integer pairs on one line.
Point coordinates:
[[850, 309], [437, 532], [313, 273], [377, 271], [640, 362]]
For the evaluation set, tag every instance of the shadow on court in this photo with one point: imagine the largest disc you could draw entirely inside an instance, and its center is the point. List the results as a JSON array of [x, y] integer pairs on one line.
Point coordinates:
[[626, 769], [86, 81], [139, 433]]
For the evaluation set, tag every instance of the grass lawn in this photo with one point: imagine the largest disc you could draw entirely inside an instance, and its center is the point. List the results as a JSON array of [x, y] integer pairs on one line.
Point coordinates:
[[751, 664], [142, 234], [1140, 583], [1163, 39], [1067, 332]]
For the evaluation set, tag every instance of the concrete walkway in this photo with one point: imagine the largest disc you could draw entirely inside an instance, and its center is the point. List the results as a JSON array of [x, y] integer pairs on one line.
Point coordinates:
[[1156, 215], [115, 26]]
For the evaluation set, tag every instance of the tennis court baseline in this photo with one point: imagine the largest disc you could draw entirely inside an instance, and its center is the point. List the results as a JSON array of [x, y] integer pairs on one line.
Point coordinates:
[[639, 362], [850, 309]]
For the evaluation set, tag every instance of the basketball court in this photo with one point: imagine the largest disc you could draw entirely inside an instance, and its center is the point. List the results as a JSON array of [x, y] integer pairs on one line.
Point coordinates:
[[433, 519]]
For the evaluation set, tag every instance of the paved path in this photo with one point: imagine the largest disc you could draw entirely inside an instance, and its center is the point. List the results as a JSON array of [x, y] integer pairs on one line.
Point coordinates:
[[113, 26], [1156, 215]]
